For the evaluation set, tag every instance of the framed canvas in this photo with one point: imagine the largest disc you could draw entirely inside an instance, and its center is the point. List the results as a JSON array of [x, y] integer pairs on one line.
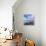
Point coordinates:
[[28, 19]]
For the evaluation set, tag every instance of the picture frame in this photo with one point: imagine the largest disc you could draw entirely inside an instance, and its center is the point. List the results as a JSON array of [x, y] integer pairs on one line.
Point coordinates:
[[28, 19]]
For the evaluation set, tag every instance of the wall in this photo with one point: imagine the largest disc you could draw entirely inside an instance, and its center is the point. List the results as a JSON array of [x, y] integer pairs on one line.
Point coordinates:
[[6, 13], [30, 32], [43, 22], [6, 16]]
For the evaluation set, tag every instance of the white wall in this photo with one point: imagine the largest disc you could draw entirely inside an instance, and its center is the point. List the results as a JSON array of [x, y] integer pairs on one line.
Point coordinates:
[[29, 6], [43, 22], [6, 13]]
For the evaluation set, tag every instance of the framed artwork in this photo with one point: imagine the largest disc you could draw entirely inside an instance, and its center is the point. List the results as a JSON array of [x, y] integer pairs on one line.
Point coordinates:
[[28, 19]]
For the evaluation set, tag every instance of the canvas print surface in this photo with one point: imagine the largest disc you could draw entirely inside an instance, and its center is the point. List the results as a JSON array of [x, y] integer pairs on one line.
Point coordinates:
[[28, 19]]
